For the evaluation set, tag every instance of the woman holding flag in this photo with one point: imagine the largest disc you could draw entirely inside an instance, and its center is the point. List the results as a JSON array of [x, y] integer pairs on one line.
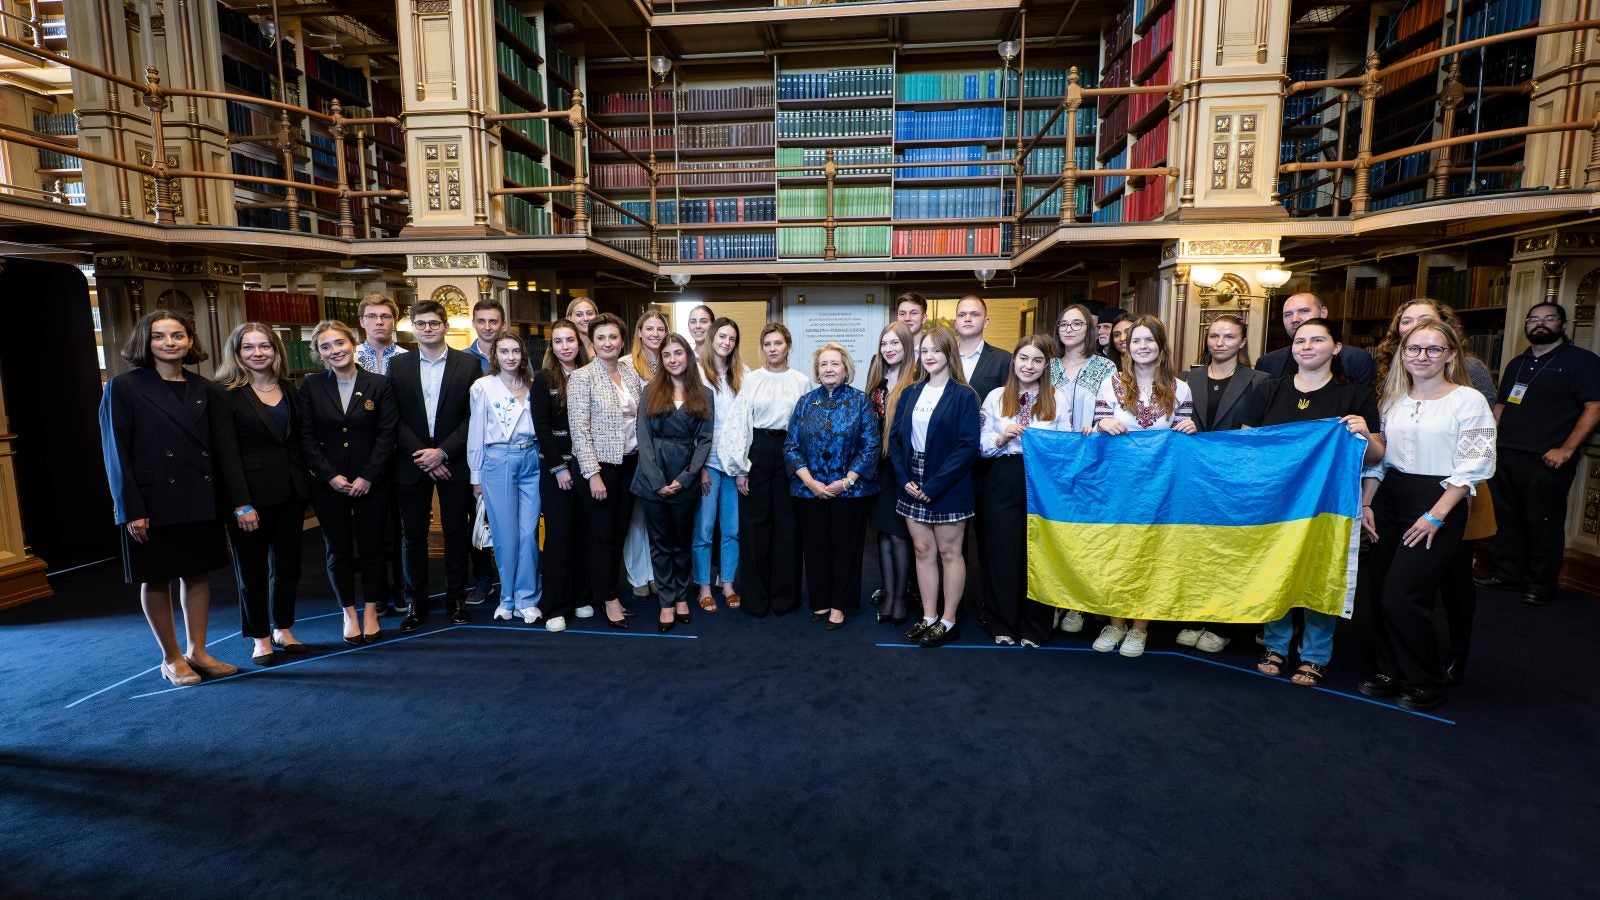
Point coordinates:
[[1147, 395], [1317, 389]]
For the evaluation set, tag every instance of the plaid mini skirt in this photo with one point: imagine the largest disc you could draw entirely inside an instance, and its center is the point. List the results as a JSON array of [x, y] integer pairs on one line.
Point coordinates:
[[917, 512]]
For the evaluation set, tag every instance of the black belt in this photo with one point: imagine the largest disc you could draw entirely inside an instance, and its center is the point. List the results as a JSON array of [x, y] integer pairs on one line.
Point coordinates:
[[772, 431]]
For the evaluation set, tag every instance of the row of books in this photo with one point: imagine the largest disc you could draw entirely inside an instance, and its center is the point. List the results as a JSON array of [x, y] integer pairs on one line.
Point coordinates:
[[1302, 109], [1083, 196], [238, 26], [848, 202], [984, 241], [628, 175], [1110, 183], [1107, 213], [282, 307], [983, 84], [641, 137], [953, 203], [692, 211], [964, 154], [1113, 127], [1307, 66], [562, 144], [1157, 39], [948, 124], [761, 245], [1140, 104], [75, 191], [55, 123], [666, 248], [1477, 287], [868, 81], [524, 217], [512, 19], [854, 240], [350, 80], [1150, 149], [816, 156], [561, 63], [514, 69], [247, 78], [260, 168], [754, 136], [1118, 34], [1146, 202], [1500, 16], [525, 170], [386, 102], [799, 123], [532, 129], [757, 96]]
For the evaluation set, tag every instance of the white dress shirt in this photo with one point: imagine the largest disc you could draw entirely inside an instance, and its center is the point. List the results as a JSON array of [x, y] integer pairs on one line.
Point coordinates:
[[630, 418], [993, 424], [730, 431], [432, 372]]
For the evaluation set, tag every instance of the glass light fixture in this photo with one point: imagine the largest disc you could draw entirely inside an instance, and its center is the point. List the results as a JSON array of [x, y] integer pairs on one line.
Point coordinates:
[[1205, 276], [1273, 277], [660, 65], [983, 275], [1008, 50], [680, 278]]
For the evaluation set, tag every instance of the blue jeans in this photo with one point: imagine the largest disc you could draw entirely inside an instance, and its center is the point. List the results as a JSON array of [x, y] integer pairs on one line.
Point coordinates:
[[1316, 640], [510, 477], [722, 503]]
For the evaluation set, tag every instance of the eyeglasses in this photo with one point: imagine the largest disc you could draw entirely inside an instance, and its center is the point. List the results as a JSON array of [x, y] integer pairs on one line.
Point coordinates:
[[1416, 350], [1531, 320], [381, 317], [1071, 326], [426, 324]]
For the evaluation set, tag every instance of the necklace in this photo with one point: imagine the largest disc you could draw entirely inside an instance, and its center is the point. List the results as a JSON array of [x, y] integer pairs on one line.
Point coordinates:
[[263, 390]]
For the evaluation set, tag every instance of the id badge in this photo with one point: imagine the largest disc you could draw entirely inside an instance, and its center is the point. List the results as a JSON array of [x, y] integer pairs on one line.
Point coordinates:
[[1517, 392]]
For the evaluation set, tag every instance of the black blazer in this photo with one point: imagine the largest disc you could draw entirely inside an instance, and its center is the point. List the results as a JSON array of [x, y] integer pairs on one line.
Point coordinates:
[[160, 453], [355, 443], [993, 366], [267, 468], [549, 411], [451, 419], [1243, 400], [952, 447]]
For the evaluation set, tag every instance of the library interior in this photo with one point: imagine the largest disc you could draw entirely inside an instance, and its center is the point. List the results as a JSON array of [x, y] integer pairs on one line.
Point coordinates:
[[779, 160]]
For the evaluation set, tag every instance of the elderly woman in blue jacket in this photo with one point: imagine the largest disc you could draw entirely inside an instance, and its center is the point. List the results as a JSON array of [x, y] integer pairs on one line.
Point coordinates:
[[831, 453], [933, 442]]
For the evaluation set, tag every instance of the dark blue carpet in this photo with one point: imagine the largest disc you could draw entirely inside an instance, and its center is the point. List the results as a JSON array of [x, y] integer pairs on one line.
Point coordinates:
[[769, 758]]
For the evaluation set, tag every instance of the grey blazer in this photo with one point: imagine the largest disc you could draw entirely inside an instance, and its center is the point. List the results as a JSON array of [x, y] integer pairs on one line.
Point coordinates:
[[594, 415], [672, 447]]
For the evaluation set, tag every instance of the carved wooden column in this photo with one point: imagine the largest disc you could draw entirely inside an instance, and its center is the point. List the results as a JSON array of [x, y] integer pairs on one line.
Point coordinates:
[[458, 280]]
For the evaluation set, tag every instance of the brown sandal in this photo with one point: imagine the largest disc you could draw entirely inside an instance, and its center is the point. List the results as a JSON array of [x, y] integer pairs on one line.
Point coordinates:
[[708, 603], [732, 600]]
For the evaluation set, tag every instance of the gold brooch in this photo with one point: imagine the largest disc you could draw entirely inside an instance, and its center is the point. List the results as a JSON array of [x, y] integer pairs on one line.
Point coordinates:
[[369, 406]]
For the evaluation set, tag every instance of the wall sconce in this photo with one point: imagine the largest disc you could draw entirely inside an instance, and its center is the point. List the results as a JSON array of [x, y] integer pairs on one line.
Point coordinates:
[[680, 279], [1273, 278], [1205, 276], [1008, 50], [1227, 288], [983, 276], [659, 67]]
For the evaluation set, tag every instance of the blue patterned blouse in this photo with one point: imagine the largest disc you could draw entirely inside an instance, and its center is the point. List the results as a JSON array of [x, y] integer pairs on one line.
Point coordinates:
[[831, 434]]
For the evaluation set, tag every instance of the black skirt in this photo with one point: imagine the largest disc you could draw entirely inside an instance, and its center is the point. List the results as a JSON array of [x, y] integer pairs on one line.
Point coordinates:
[[172, 551], [885, 519]]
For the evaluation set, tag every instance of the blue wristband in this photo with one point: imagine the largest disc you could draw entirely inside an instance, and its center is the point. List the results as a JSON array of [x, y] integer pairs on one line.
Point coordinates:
[[1437, 523], [244, 510]]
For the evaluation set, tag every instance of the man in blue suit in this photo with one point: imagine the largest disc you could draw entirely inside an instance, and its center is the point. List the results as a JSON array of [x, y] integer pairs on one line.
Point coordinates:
[[1297, 309]]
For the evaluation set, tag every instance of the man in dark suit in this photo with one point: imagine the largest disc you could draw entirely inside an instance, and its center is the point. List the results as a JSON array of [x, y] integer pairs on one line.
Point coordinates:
[[432, 390], [1297, 309], [985, 365]]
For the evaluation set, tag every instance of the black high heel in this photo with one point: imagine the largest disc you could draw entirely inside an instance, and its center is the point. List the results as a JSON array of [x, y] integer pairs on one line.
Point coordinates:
[[682, 618], [620, 624], [666, 626]]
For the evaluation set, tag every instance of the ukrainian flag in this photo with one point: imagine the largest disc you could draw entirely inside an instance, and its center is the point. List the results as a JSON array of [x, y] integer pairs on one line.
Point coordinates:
[[1234, 526]]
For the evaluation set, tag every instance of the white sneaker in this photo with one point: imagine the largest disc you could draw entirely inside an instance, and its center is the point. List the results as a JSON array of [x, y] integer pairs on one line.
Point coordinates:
[[1110, 637], [1004, 641], [501, 612], [555, 623], [584, 612], [1072, 621], [1211, 642], [1133, 644], [530, 615], [1029, 644], [1188, 636]]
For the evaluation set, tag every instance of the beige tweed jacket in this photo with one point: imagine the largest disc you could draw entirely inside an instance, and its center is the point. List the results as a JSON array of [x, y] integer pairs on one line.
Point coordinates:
[[594, 415]]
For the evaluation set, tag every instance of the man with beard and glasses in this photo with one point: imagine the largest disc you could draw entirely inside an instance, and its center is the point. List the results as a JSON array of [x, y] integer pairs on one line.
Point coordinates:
[[1549, 405]]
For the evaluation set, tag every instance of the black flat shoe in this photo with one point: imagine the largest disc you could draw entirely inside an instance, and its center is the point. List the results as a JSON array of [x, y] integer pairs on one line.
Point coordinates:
[[297, 648], [1379, 686], [620, 624], [265, 659], [835, 626], [915, 632], [1535, 597], [938, 635], [1494, 581], [1418, 700]]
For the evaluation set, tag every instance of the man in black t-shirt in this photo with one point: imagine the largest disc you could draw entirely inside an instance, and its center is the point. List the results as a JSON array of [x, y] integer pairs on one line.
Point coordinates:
[[1549, 405]]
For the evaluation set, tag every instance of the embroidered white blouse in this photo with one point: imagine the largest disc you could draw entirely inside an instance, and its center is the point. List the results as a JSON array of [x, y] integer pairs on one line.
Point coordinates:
[[992, 424], [1108, 404], [498, 417], [1452, 437]]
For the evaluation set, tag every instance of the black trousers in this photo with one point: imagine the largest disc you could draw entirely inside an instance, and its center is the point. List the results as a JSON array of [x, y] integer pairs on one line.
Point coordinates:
[[456, 505], [1458, 595], [561, 570], [1530, 510], [833, 535], [605, 525], [266, 567], [394, 585], [1003, 507], [351, 525], [1407, 580], [769, 568], [671, 530]]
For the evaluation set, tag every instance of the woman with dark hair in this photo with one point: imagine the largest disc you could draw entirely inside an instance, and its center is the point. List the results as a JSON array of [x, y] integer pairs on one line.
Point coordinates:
[[1146, 395], [769, 571], [1315, 387], [933, 445], [267, 487], [561, 574], [503, 459], [831, 453], [674, 441], [1079, 368], [1227, 395], [1026, 401], [348, 418], [893, 369], [1439, 444], [602, 411], [1116, 347], [160, 436], [724, 374]]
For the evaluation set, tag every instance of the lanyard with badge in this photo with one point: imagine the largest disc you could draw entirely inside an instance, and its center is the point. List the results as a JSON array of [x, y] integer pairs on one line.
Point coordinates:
[[1520, 388]]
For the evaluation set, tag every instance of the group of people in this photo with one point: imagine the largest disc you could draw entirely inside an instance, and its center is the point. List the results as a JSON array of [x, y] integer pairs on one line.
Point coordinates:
[[633, 451]]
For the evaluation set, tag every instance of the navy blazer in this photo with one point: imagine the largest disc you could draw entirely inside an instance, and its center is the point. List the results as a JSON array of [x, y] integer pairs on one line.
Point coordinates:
[[267, 467], [355, 443], [160, 453], [451, 420], [952, 447], [994, 365]]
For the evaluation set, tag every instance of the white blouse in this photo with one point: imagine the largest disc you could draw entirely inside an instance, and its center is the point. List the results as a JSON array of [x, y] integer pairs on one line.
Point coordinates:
[[771, 397], [498, 417], [1108, 405], [992, 424], [922, 414], [730, 429], [630, 418], [1453, 437]]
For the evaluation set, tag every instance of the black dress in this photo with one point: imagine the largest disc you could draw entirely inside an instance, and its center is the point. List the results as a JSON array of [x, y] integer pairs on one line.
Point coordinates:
[[884, 518]]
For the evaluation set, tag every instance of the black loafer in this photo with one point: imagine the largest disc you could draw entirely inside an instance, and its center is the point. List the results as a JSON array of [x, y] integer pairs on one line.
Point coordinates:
[[412, 623], [818, 616], [1534, 597], [915, 632], [1418, 700], [461, 616], [1379, 686], [835, 626], [265, 659], [938, 635]]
